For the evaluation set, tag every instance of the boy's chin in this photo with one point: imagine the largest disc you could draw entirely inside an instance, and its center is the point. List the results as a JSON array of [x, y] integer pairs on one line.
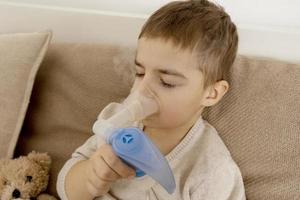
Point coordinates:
[[148, 121], [152, 122]]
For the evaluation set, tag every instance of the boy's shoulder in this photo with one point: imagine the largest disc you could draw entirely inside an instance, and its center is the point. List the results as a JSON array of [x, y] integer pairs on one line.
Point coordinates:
[[208, 143], [208, 151]]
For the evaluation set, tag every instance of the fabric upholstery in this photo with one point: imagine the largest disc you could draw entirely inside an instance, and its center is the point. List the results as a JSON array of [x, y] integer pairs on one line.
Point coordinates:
[[259, 121], [20, 58]]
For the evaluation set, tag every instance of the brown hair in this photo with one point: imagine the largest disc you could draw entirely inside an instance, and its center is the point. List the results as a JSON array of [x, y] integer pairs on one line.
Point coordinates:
[[197, 25]]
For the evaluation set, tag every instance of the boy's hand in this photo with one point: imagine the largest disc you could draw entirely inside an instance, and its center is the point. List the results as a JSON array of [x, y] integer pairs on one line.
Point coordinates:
[[104, 168]]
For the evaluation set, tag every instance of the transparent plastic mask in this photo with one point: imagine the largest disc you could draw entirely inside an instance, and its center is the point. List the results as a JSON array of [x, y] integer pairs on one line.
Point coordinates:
[[130, 143], [139, 104]]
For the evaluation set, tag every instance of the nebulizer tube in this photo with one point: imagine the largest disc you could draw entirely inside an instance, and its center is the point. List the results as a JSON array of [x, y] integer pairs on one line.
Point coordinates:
[[131, 144]]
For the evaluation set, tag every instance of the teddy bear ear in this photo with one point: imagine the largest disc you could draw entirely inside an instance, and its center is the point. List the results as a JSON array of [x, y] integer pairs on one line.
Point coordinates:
[[43, 159]]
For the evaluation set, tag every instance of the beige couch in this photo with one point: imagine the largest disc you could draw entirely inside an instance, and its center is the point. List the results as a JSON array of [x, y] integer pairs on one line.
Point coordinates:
[[258, 119]]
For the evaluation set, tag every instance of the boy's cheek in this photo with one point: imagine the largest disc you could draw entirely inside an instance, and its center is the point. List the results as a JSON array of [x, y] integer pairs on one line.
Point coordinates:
[[159, 120], [170, 118]]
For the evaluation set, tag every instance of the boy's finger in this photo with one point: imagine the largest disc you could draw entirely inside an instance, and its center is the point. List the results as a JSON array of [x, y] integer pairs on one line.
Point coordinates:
[[104, 171], [116, 163], [98, 183], [97, 188]]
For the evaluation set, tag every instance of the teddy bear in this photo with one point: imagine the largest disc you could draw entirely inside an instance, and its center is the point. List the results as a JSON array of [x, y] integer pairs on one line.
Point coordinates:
[[25, 177]]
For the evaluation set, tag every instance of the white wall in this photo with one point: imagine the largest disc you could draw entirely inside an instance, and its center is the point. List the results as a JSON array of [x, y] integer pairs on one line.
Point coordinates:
[[263, 12], [266, 28]]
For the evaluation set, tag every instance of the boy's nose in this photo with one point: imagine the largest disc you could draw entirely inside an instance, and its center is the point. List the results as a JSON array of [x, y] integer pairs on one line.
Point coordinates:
[[144, 82], [142, 88], [144, 91]]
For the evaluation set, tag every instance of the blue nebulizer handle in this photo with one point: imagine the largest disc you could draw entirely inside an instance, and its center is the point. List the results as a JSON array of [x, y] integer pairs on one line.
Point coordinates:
[[133, 146]]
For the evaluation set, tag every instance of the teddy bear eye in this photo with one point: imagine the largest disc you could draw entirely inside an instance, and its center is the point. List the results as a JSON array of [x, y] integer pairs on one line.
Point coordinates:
[[5, 182], [28, 178]]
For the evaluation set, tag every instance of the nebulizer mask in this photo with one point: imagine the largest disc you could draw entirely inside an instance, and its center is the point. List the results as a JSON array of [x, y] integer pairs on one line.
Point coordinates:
[[131, 144]]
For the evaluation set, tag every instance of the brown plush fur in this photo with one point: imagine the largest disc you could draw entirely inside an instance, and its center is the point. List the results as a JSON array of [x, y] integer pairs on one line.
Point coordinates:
[[25, 178]]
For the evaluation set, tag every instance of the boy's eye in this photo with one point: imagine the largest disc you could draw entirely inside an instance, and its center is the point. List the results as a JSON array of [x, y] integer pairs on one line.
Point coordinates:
[[5, 182], [138, 75], [167, 85]]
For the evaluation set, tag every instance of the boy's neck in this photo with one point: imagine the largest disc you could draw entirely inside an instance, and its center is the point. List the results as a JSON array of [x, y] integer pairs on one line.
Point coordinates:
[[168, 139]]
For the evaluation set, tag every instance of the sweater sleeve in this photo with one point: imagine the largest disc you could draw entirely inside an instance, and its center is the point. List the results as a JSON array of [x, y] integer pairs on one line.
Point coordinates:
[[81, 153], [84, 152], [223, 183], [60, 186]]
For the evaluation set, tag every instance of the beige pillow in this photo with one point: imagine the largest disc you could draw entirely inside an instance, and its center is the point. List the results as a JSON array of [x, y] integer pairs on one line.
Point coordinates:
[[20, 58]]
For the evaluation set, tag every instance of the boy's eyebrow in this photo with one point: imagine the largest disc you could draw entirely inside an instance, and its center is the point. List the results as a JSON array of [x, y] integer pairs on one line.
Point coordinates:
[[164, 71]]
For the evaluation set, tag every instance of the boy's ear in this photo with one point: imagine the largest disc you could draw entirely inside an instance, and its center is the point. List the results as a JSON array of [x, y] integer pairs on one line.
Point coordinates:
[[214, 93]]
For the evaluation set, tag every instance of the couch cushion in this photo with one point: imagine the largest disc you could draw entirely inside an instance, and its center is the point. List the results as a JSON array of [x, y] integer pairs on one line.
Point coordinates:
[[72, 86], [20, 58], [259, 121]]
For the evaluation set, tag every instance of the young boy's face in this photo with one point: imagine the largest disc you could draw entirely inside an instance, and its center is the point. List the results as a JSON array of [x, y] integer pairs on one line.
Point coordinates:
[[179, 96]]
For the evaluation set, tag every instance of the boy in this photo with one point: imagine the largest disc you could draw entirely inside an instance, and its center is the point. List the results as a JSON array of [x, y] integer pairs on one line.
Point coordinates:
[[184, 51]]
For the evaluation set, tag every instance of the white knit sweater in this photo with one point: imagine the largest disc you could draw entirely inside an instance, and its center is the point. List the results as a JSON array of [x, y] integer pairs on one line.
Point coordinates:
[[202, 165]]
